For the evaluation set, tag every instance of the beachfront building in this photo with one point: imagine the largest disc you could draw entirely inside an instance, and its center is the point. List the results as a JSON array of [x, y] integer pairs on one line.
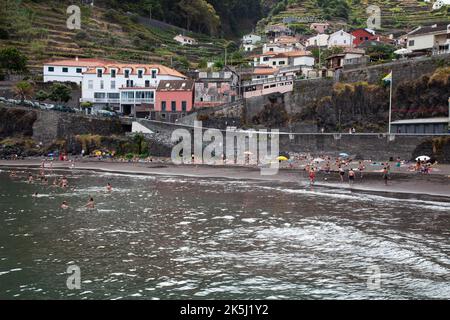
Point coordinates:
[[184, 40], [125, 87], [434, 38], [216, 88], [422, 126], [340, 39], [69, 70], [174, 99]]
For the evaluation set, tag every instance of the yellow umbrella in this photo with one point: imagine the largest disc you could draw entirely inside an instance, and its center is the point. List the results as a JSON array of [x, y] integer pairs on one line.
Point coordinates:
[[282, 158]]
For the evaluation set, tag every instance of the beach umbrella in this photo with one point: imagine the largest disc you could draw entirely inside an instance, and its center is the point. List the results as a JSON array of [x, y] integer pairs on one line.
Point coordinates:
[[282, 158], [248, 152], [423, 158], [343, 154], [319, 160]]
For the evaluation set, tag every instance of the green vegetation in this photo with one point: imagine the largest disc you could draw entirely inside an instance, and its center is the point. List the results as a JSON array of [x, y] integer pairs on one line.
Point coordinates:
[[23, 90], [60, 92], [12, 61]]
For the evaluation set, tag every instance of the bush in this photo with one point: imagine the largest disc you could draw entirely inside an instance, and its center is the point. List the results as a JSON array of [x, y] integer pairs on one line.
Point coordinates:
[[129, 156], [81, 35]]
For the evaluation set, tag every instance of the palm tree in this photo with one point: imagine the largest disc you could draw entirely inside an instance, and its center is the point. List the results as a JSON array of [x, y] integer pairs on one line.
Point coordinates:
[[23, 90]]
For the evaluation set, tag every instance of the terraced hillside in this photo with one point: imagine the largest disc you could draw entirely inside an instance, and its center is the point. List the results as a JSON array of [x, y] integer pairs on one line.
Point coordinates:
[[39, 30], [396, 15]]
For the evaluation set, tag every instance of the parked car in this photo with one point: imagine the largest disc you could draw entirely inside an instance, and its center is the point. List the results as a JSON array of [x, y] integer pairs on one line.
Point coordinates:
[[106, 113]]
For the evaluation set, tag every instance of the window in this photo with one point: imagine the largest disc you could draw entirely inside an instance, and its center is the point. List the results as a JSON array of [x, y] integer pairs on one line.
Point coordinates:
[[153, 74], [113, 73], [65, 69], [51, 69], [79, 70], [183, 106], [140, 74], [274, 63], [147, 83], [411, 43], [163, 106], [113, 95], [91, 84], [99, 95], [127, 73], [282, 62], [99, 73], [174, 106], [266, 59], [271, 49], [163, 115], [130, 83], [102, 84], [113, 84]]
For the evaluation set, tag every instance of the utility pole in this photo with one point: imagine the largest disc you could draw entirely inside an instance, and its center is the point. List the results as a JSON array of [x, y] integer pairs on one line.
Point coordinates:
[[390, 103]]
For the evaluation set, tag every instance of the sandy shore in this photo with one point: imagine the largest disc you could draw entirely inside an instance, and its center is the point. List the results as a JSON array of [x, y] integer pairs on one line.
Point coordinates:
[[402, 181]]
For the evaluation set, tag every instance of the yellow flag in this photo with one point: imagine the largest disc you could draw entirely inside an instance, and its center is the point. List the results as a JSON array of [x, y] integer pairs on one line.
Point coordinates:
[[388, 77]]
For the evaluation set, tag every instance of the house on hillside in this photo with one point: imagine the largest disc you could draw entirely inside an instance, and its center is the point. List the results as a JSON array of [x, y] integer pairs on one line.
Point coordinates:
[[361, 35], [174, 98], [340, 39], [278, 30], [319, 27], [320, 40], [69, 70], [126, 87], [348, 57], [283, 59], [250, 42], [283, 44], [184, 40], [434, 38]]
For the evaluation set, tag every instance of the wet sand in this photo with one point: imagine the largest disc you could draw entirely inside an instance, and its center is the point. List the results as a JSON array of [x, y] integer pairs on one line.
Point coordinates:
[[435, 184]]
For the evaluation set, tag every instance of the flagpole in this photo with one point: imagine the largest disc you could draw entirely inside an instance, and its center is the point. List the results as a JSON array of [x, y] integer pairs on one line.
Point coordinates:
[[390, 103]]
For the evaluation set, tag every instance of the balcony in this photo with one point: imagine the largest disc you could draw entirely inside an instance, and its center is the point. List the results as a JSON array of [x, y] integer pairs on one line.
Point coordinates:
[[137, 101]]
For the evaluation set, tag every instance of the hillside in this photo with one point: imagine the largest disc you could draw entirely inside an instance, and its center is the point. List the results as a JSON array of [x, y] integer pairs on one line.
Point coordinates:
[[395, 15], [39, 30]]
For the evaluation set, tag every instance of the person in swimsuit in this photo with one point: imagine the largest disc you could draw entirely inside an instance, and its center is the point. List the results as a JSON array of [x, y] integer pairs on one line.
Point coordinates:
[[351, 176], [312, 176], [341, 173], [109, 187], [91, 203], [64, 205], [385, 175], [361, 168]]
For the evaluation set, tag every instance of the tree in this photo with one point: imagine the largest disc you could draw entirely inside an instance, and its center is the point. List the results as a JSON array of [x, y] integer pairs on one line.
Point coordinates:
[[60, 92], [138, 140], [23, 90], [202, 13], [12, 60]]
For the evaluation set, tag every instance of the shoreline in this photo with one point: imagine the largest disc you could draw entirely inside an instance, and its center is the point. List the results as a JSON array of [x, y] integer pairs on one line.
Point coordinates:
[[434, 185]]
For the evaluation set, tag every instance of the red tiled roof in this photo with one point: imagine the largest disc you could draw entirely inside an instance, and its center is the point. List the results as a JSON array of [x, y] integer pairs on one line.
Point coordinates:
[[163, 70], [82, 62]]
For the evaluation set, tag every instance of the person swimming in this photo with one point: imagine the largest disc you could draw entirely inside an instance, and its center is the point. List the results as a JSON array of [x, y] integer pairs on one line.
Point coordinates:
[[91, 203], [13, 174], [64, 182], [109, 187], [64, 205]]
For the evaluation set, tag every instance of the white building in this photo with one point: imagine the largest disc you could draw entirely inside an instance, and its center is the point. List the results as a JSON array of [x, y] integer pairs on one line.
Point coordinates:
[[283, 44], [128, 88], [283, 59], [340, 38], [251, 39], [434, 38], [184, 40], [320, 40], [248, 47], [69, 70], [440, 3]]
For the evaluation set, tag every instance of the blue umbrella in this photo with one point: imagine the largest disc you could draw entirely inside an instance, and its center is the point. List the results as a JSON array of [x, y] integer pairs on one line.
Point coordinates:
[[345, 155]]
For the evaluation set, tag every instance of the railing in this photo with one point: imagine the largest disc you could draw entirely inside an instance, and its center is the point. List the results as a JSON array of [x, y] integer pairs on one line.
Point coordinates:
[[137, 100], [268, 80]]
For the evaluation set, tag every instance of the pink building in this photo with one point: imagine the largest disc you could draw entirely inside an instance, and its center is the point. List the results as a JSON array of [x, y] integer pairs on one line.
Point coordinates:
[[174, 96]]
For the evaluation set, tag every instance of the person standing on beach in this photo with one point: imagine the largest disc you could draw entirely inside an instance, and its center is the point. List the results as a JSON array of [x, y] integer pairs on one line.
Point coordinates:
[[351, 176], [341, 173], [385, 175], [312, 176], [361, 168]]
